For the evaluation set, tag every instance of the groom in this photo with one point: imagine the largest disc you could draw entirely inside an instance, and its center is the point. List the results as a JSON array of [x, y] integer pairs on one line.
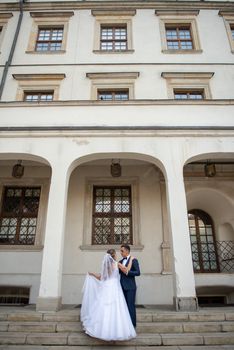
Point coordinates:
[[127, 280]]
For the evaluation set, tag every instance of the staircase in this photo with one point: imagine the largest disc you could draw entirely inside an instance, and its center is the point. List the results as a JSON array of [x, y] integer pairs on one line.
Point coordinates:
[[22, 328]]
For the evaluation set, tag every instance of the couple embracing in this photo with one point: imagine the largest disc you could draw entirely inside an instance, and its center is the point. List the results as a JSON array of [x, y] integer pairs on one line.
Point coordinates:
[[108, 306]]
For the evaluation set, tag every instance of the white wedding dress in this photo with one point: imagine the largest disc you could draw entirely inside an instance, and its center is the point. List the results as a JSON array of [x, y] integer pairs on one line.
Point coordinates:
[[104, 312]]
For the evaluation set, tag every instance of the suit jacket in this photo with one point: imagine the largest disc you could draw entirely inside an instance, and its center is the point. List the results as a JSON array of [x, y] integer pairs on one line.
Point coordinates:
[[128, 281]]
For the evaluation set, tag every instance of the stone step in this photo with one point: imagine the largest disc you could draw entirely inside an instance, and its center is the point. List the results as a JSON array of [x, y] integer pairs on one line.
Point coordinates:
[[147, 317], [151, 327], [187, 327], [115, 347], [20, 316], [52, 317], [28, 327], [80, 339]]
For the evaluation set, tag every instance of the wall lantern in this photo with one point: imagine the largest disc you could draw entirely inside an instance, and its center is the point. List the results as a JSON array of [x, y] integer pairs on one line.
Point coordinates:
[[18, 170], [210, 170], [116, 169]]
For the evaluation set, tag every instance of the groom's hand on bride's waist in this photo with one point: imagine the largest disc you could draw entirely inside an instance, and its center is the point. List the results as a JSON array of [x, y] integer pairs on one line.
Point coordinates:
[[123, 268]]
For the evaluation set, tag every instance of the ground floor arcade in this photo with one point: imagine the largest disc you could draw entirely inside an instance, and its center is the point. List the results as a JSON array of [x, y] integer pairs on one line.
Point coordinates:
[[67, 208]]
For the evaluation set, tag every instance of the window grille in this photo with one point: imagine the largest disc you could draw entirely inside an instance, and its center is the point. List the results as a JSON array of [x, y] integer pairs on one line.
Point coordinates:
[[203, 245], [18, 220], [112, 215]]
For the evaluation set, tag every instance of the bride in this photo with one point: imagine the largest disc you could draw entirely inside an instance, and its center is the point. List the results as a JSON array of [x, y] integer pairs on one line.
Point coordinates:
[[104, 312]]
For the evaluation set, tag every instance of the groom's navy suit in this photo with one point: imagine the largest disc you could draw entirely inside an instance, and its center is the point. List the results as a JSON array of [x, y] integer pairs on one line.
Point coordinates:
[[128, 284]]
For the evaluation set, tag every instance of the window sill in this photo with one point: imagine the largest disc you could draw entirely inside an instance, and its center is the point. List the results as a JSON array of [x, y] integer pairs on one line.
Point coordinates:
[[182, 51], [20, 248], [100, 247], [59, 52], [105, 52]]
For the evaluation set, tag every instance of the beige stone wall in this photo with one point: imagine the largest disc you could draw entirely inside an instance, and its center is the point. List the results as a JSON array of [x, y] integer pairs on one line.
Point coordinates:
[[78, 59], [22, 265], [169, 148], [213, 196], [77, 262]]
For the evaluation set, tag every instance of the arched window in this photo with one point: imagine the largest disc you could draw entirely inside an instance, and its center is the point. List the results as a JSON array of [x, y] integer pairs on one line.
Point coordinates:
[[204, 252]]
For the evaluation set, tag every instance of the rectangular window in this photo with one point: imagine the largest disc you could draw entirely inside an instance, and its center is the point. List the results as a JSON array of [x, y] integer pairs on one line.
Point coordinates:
[[112, 215], [116, 95], [32, 96], [49, 39], [18, 220], [113, 38], [179, 37], [188, 95]]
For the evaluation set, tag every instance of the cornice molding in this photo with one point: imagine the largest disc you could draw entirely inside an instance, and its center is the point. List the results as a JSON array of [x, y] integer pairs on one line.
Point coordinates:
[[177, 12], [38, 76], [99, 103], [187, 75], [20, 248], [121, 131], [107, 12], [6, 15], [226, 13], [113, 75], [51, 14], [79, 5]]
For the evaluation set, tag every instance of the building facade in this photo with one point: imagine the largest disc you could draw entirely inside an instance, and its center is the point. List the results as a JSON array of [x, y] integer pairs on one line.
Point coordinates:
[[117, 126]]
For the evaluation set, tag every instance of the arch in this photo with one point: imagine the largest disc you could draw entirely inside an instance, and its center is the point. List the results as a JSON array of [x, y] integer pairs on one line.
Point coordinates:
[[217, 203], [205, 217], [208, 155], [24, 156], [119, 155], [90, 179]]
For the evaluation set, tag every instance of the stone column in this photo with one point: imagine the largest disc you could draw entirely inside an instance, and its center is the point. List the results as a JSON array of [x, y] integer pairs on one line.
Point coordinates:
[[183, 275], [50, 298], [165, 246]]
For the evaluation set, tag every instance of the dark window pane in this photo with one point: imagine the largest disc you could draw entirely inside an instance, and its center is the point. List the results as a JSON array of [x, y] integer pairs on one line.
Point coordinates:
[[203, 245], [18, 220], [232, 31], [112, 218]]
